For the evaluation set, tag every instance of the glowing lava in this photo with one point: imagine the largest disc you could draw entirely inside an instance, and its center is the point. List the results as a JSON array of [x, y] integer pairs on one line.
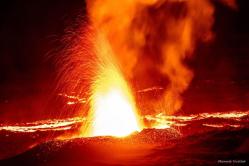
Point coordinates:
[[113, 110], [113, 105], [234, 119], [114, 115]]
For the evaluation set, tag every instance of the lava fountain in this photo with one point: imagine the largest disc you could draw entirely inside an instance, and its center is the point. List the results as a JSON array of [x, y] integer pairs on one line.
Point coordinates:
[[146, 42], [113, 106], [113, 110]]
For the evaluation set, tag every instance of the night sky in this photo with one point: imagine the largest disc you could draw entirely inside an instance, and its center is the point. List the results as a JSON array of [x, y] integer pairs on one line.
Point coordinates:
[[31, 34]]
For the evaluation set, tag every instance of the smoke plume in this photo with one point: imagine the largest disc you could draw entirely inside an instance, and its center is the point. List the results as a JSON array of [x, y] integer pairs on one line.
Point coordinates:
[[154, 34]]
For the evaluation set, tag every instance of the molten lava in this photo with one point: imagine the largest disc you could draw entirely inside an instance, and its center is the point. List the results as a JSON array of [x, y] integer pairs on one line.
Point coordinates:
[[113, 106], [113, 110], [234, 119]]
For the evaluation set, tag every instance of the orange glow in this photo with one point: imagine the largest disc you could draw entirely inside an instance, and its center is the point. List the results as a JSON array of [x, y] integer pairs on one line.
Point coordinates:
[[113, 110], [228, 119], [113, 106], [73, 99], [160, 121], [152, 34], [44, 125]]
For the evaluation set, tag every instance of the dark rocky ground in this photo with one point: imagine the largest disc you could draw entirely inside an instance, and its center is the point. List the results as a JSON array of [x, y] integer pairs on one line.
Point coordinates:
[[149, 147]]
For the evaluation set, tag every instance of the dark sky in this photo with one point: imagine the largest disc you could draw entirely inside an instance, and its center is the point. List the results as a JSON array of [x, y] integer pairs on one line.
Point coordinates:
[[222, 67], [31, 32]]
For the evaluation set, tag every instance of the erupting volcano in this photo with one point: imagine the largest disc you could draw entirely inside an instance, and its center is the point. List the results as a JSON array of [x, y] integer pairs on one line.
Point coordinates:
[[121, 47], [132, 82]]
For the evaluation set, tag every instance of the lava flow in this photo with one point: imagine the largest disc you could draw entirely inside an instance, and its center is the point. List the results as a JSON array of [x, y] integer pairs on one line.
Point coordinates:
[[234, 119]]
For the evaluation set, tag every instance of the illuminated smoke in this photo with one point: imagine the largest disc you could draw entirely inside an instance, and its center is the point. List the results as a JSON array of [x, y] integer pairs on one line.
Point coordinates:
[[230, 3], [154, 34]]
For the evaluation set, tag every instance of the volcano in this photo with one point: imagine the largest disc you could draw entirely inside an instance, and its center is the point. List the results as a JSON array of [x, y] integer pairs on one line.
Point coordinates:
[[127, 83]]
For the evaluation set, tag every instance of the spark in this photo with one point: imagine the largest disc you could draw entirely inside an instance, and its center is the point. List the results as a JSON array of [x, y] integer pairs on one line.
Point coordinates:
[[76, 98], [113, 109]]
